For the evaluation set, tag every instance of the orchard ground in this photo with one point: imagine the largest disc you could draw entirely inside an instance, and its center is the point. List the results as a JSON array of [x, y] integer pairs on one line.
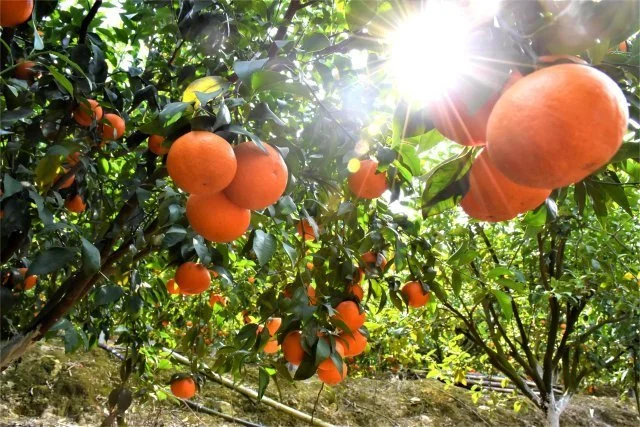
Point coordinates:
[[51, 388]]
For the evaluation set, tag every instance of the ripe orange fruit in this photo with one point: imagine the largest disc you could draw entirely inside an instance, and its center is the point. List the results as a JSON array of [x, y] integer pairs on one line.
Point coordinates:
[[184, 388], [292, 348], [414, 294], [310, 266], [557, 126], [217, 299], [328, 363], [493, 197], [201, 162], [356, 290], [371, 260], [216, 218], [75, 204], [73, 158], [112, 127], [273, 325], [272, 345], [155, 145], [172, 287], [15, 12], [192, 278], [28, 282], [349, 313], [67, 182], [261, 177], [622, 47], [189, 323], [454, 119], [366, 183], [304, 229], [353, 343], [87, 112], [332, 376], [251, 280], [165, 323], [358, 276], [311, 293], [24, 70]]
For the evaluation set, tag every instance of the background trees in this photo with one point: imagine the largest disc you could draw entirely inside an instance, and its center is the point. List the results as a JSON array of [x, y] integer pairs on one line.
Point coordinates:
[[310, 78]]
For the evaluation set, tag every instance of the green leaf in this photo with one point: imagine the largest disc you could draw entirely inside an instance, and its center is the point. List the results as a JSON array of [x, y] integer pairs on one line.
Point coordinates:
[[11, 186], [262, 112], [291, 252], [263, 382], [446, 184], [264, 245], [276, 82], [244, 69], [173, 111], [456, 282], [323, 350], [173, 236], [242, 131], [504, 301], [410, 158], [108, 294], [628, 150], [315, 42], [61, 79], [511, 284], [464, 255], [47, 169], [38, 44], [50, 260], [499, 271], [616, 191], [71, 340], [90, 257], [360, 12]]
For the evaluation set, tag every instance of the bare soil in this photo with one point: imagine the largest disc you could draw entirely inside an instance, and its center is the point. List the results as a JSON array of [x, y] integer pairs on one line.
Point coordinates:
[[51, 388]]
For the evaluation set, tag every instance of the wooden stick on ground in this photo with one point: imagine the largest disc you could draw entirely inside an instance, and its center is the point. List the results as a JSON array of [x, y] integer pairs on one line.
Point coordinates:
[[253, 394]]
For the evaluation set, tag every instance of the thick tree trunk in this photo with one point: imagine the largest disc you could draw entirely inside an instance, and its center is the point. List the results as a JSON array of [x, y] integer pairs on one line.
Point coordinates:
[[555, 408]]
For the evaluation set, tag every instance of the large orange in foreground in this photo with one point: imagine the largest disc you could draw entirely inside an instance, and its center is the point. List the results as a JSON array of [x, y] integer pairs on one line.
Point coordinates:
[[414, 294], [112, 127], [155, 145], [332, 376], [349, 313], [201, 162], [184, 388], [75, 204], [353, 343], [455, 119], [15, 12], [292, 348], [557, 126], [261, 177], [192, 278], [366, 183], [216, 218], [86, 112], [494, 197]]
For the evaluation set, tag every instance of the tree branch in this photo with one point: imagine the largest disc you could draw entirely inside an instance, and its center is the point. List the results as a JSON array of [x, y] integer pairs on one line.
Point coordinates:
[[294, 6], [84, 27]]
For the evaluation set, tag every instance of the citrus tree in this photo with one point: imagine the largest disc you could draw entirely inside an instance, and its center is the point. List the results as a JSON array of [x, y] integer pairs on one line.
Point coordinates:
[[235, 179]]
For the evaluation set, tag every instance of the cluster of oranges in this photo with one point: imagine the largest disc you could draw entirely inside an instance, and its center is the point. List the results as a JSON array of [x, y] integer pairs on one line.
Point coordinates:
[[225, 183], [549, 129]]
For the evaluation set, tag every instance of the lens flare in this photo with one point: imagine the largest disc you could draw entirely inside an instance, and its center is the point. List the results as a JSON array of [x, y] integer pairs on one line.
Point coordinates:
[[429, 52]]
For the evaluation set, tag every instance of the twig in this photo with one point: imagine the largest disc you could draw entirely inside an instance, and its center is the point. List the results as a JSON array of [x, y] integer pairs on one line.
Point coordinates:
[[294, 6], [315, 405], [175, 52], [84, 27]]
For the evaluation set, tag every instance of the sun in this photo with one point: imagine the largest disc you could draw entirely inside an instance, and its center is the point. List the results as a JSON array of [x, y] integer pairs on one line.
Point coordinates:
[[429, 52]]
